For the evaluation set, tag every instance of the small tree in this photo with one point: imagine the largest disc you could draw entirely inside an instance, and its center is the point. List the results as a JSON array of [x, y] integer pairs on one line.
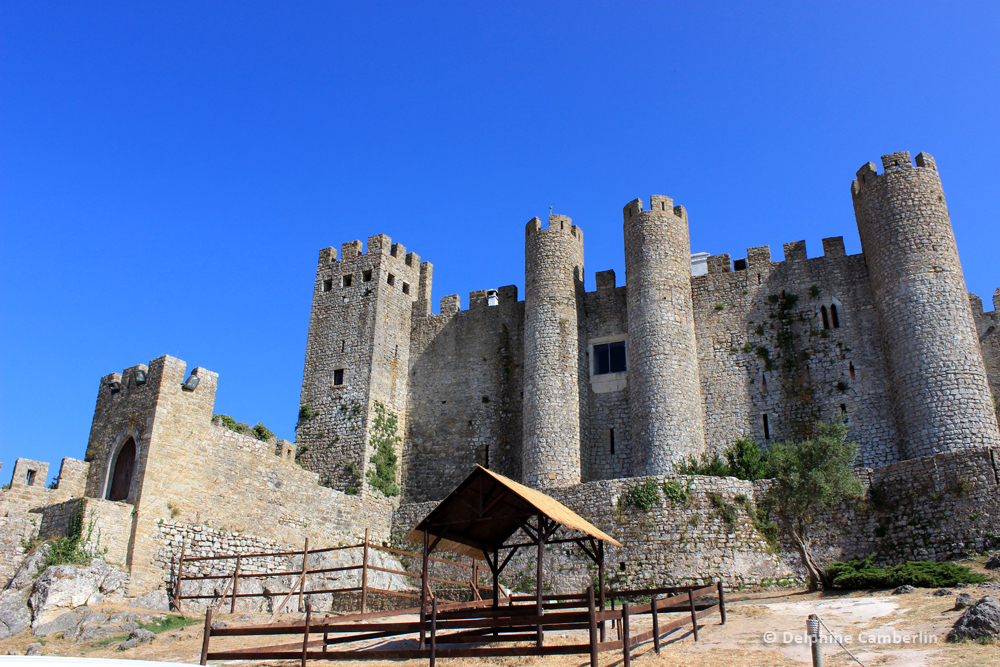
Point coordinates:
[[811, 475]]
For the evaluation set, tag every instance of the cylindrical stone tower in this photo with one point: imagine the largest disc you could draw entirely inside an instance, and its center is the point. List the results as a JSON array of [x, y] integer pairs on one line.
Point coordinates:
[[664, 389], [553, 288], [940, 392]]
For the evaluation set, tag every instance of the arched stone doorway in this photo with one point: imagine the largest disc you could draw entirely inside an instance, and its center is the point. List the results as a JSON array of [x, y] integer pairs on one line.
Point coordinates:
[[120, 480]]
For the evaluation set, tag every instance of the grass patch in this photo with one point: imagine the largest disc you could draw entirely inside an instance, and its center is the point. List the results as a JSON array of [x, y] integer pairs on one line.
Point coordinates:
[[644, 496], [169, 623], [108, 641], [857, 574]]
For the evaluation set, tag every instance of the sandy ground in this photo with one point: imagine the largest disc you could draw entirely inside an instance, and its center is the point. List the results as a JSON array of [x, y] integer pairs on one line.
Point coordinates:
[[764, 628]]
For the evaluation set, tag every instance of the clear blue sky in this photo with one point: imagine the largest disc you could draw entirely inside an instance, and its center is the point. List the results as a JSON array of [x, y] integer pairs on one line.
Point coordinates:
[[170, 170]]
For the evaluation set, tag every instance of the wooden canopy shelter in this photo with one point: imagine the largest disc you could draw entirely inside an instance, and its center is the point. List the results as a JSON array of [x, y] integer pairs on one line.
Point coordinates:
[[486, 509]]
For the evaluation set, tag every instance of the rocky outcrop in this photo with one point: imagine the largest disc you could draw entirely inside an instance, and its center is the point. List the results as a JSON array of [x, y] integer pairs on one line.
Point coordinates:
[[15, 616], [65, 587], [980, 621]]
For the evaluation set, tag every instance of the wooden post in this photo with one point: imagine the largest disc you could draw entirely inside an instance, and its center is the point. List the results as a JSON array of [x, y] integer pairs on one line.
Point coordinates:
[[180, 576], [206, 635], [722, 604], [475, 580], [694, 613], [305, 636], [364, 576], [540, 640], [423, 593], [236, 584], [656, 628], [305, 568], [600, 581], [496, 578], [813, 632], [592, 618], [434, 619], [626, 639]]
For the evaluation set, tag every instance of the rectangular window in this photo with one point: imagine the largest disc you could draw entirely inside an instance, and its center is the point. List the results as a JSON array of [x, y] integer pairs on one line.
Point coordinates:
[[338, 376], [406, 288], [327, 285], [611, 433], [366, 275], [609, 358], [30, 481], [391, 280], [347, 281], [767, 428]]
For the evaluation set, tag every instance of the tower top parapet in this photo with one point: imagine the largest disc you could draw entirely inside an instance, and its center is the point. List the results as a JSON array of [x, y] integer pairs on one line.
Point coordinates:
[[893, 162]]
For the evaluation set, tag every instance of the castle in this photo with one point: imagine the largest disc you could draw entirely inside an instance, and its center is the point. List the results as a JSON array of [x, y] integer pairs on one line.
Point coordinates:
[[571, 386], [574, 392]]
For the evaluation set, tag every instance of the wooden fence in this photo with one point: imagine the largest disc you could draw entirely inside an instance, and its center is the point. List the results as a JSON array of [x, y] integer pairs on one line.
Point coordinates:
[[233, 575], [464, 630]]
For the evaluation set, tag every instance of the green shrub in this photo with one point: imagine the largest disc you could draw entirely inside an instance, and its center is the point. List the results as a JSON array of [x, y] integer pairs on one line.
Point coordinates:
[[306, 412], [744, 460], [644, 496], [67, 550], [262, 432], [855, 574], [676, 493], [228, 422], [709, 464]]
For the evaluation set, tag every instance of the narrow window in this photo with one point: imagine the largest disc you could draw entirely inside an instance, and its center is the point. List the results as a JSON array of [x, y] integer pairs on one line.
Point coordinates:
[[30, 480], [347, 281], [406, 288], [327, 285], [763, 383], [833, 315], [851, 370], [843, 408], [391, 280], [758, 279], [366, 276], [611, 432], [487, 457], [767, 428], [343, 345], [826, 318], [338, 376]]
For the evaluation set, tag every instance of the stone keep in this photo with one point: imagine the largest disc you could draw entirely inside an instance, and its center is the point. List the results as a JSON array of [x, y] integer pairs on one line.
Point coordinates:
[[940, 391], [357, 354], [664, 391], [553, 353]]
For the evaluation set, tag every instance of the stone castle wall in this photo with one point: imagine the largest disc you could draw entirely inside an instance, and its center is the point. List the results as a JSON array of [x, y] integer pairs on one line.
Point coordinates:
[[988, 328]]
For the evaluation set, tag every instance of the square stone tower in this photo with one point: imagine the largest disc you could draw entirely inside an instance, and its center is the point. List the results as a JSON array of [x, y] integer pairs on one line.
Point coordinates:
[[357, 355]]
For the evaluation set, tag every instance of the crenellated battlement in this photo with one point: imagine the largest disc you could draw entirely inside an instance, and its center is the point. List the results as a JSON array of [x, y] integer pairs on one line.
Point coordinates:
[[759, 258], [557, 223], [891, 163], [657, 204]]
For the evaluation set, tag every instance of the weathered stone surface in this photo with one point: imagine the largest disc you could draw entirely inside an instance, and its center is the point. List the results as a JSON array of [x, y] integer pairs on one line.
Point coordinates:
[[155, 600], [993, 562], [964, 601], [903, 590], [28, 570], [60, 623], [981, 620], [15, 616], [135, 638], [64, 587], [942, 592], [34, 649]]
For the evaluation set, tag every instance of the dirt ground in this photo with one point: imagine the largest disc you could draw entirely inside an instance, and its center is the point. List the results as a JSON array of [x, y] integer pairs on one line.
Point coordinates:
[[860, 618]]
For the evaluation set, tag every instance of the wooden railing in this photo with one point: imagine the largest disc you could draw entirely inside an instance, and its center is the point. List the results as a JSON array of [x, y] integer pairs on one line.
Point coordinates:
[[235, 575], [463, 628]]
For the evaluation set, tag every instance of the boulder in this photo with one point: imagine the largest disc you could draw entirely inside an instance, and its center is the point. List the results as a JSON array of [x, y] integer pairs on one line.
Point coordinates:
[[993, 562], [28, 570], [135, 638], [60, 623], [62, 587], [903, 590], [34, 649], [154, 600], [980, 621], [964, 601], [942, 592], [15, 616]]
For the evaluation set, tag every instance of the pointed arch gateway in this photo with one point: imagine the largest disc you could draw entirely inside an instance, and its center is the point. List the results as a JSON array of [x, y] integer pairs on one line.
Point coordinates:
[[120, 480]]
